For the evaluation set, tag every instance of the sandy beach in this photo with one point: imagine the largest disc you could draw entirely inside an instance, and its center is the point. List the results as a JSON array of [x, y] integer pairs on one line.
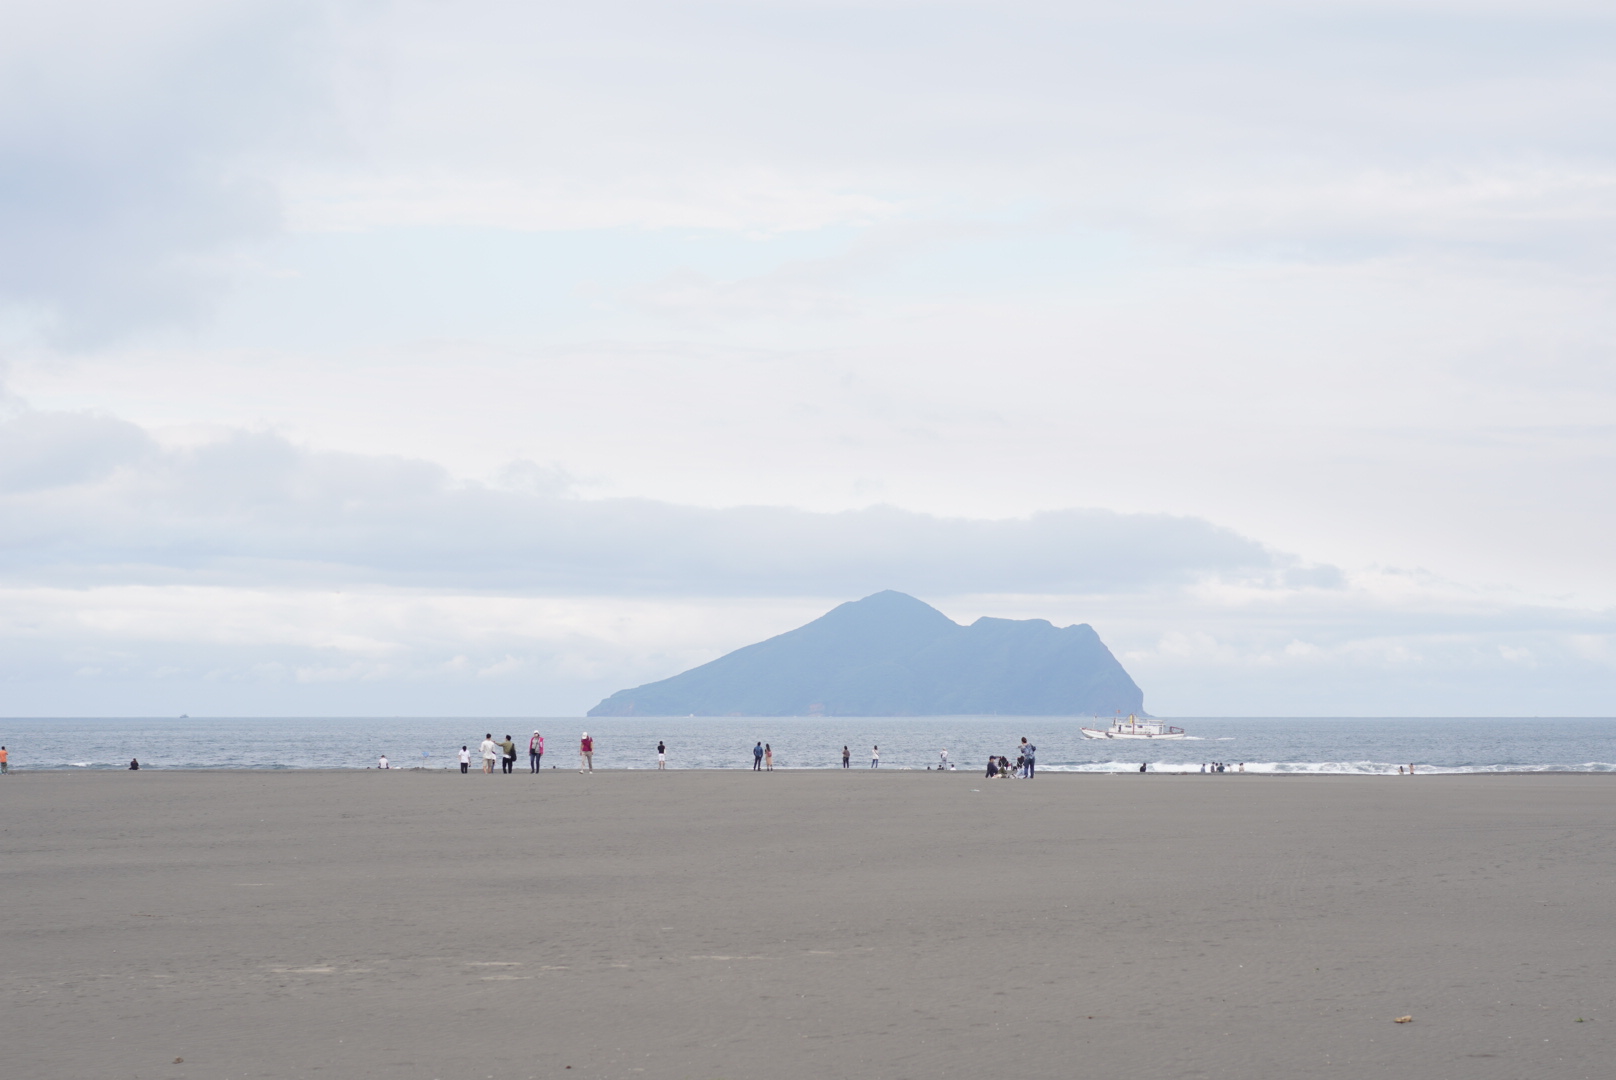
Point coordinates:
[[795, 924]]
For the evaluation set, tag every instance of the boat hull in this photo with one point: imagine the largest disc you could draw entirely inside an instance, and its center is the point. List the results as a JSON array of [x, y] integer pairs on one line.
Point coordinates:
[[1092, 733]]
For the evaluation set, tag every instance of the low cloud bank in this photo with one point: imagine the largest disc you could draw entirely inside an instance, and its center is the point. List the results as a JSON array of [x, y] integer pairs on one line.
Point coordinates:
[[95, 500]]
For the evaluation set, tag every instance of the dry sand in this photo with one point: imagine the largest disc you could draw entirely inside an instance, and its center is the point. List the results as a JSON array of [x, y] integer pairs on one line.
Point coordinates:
[[796, 924]]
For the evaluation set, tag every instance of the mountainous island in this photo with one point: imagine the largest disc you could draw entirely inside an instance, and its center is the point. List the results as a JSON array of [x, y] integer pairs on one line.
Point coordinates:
[[892, 655]]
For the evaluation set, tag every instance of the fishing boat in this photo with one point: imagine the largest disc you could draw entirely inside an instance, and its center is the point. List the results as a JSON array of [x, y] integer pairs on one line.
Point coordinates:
[[1134, 728]]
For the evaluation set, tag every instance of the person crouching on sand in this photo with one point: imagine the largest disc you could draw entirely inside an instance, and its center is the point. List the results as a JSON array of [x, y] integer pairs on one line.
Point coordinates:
[[535, 752], [490, 751], [993, 766], [586, 753]]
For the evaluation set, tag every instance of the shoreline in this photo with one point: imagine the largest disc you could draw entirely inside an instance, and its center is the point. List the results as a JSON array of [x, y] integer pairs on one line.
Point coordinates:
[[1053, 771]]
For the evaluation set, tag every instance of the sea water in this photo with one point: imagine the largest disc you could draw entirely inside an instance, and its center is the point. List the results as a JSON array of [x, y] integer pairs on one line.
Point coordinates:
[[1268, 745]]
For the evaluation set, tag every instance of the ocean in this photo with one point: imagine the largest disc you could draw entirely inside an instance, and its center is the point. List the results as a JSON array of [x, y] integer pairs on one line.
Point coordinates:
[[1266, 745]]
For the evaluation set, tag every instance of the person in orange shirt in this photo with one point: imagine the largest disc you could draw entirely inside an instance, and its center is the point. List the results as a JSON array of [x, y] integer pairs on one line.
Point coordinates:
[[5, 760]]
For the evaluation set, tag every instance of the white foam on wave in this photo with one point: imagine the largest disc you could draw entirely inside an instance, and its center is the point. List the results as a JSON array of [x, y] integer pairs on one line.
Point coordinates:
[[1330, 768]]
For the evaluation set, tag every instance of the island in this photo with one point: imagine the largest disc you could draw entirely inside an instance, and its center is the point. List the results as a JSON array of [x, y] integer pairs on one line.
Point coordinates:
[[893, 655]]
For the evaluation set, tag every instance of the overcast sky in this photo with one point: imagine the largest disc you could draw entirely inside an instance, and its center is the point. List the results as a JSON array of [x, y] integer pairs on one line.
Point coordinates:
[[469, 358]]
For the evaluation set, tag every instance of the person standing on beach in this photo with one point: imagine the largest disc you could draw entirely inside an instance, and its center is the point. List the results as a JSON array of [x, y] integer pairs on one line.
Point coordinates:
[[847, 758], [535, 752], [757, 758], [768, 758], [490, 751], [875, 757], [943, 764], [586, 753], [5, 760], [661, 755], [465, 760], [1029, 759], [507, 757]]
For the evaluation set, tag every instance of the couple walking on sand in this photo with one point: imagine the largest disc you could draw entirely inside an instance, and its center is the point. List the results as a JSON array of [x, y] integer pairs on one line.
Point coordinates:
[[491, 750]]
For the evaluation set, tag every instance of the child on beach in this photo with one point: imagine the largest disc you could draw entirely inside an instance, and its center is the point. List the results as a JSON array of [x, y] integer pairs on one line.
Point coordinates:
[[465, 759]]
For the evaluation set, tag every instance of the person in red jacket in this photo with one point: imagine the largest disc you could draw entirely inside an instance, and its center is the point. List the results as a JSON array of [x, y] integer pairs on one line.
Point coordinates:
[[586, 754]]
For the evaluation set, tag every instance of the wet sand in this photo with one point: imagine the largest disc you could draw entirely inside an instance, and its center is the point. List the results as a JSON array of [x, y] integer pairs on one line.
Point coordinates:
[[794, 924]]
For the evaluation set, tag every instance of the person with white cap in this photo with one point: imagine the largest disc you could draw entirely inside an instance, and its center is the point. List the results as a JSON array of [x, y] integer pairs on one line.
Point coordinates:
[[535, 752], [586, 754]]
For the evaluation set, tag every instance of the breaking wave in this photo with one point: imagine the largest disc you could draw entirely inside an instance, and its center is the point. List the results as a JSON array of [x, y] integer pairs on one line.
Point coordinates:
[[1327, 768]]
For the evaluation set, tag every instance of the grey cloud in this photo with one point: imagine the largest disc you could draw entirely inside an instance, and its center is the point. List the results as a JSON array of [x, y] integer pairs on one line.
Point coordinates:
[[128, 182], [253, 508], [50, 450]]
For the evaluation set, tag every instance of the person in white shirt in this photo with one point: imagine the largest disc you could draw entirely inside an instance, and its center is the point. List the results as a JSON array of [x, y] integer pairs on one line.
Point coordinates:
[[490, 750], [465, 760], [382, 764]]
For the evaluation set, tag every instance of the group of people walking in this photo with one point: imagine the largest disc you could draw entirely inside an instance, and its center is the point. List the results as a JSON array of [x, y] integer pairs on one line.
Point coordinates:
[[505, 753]]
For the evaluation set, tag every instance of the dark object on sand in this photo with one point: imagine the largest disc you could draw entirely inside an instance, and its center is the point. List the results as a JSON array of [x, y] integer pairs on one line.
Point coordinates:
[[134, 764]]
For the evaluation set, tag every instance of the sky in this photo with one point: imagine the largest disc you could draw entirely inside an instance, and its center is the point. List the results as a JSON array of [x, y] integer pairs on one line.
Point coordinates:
[[416, 358]]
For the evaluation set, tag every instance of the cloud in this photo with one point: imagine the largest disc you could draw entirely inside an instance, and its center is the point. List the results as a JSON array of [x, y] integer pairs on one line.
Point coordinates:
[[131, 146], [97, 500]]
